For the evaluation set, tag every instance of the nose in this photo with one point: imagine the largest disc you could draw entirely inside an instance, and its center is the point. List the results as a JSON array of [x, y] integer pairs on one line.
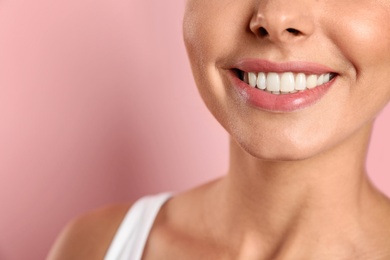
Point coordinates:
[[283, 20]]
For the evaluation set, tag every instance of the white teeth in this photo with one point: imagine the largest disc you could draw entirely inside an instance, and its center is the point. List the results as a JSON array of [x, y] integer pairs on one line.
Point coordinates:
[[320, 80], [311, 81], [285, 83], [273, 82], [300, 81], [252, 79], [262, 81], [326, 77]]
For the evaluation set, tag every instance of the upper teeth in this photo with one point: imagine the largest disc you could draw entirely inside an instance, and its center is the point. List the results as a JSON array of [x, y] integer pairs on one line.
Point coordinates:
[[288, 82]]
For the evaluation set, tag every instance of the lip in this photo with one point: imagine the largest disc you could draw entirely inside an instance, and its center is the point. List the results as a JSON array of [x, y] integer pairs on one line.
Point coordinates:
[[282, 103], [255, 65]]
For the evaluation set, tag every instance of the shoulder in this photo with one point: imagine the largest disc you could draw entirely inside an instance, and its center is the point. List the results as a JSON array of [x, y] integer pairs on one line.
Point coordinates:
[[90, 235]]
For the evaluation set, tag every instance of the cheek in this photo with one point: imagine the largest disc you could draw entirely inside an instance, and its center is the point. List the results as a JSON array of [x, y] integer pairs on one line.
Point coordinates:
[[209, 35], [201, 30], [212, 29], [361, 30], [199, 39]]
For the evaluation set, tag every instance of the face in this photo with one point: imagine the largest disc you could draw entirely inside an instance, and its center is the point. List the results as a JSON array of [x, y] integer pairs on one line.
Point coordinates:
[[289, 80]]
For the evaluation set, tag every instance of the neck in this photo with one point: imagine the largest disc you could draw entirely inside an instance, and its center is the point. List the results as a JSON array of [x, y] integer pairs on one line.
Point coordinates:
[[285, 201]]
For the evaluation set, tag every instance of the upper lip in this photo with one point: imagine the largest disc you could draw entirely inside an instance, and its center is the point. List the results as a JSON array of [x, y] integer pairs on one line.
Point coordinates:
[[258, 65]]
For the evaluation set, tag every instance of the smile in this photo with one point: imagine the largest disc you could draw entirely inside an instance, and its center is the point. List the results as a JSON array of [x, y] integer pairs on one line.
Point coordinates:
[[281, 87], [284, 83]]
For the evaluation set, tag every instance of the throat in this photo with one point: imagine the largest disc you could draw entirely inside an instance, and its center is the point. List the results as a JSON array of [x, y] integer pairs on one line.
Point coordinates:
[[304, 226], [305, 205]]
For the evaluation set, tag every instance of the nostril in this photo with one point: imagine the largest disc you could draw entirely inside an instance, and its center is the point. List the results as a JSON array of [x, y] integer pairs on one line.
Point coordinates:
[[293, 31], [263, 32]]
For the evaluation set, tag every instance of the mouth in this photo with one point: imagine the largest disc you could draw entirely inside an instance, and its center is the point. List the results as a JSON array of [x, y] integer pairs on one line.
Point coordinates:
[[284, 82], [281, 87]]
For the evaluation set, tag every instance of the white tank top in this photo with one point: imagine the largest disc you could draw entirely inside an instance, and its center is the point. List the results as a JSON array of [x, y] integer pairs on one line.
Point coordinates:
[[130, 239]]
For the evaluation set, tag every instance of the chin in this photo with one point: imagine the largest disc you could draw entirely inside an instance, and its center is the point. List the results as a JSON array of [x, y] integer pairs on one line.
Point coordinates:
[[277, 150]]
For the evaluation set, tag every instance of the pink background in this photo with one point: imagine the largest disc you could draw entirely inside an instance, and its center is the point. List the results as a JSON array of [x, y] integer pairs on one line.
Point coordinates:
[[97, 105]]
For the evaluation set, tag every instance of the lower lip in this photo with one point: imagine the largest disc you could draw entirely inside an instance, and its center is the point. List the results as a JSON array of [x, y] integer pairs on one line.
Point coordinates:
[[279, 103]]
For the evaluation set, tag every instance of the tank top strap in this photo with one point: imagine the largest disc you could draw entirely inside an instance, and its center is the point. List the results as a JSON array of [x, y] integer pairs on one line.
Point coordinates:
[[130, 239]]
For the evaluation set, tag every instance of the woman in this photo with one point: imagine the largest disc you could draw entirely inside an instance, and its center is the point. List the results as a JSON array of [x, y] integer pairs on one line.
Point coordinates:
[[297, 85]]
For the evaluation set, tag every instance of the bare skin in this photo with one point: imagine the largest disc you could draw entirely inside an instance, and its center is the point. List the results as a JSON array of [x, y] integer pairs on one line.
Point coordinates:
[[297, 186], [247, 215], [314, 210], [90, 235]]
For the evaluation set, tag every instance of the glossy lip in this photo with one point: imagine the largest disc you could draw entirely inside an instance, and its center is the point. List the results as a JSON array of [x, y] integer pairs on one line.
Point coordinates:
[[282, 103], [255, 65]]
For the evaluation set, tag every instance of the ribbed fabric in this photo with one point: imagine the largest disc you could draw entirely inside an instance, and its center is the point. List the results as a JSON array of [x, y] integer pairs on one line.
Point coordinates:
[[130, 239]]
